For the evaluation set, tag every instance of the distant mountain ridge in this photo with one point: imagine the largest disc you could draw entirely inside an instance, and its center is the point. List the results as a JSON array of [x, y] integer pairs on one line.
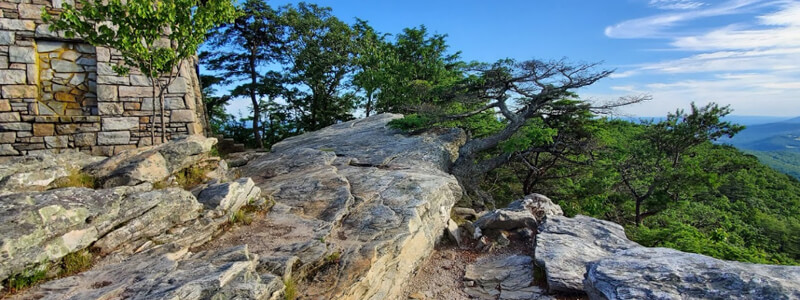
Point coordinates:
[[776, 144], [742, 120], [777, 136]]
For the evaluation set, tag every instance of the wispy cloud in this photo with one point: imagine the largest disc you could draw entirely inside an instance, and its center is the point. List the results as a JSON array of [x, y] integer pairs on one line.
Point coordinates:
[[753, 64], [655, 26], [676, 4]]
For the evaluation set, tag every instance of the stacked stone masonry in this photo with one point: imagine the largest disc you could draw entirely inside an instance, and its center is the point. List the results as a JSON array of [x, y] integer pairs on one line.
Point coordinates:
[[58, 93]]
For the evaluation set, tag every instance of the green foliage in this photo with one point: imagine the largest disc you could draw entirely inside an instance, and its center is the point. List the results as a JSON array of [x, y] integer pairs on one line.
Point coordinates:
[[241, 216], [783, 161], [136, 28], [411, 122], [534, 132], [655, 166], [76, 262], [730, 206], [333, 258], [27, 278], [290, 291], [414, 70], [190, 177], [76, 178]]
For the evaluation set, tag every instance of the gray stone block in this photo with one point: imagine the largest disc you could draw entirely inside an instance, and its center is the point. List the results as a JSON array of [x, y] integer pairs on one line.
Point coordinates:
[[113, 137], [120, 123]]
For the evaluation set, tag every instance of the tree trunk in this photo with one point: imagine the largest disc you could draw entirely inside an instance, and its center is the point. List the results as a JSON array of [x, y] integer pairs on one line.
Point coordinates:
[[470, 172], [161, 108], [254, 100], [638, 212], [368, 107], [153, 115]]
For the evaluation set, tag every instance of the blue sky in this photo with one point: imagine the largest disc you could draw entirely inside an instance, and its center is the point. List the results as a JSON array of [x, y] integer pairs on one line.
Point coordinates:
[[745, 53]]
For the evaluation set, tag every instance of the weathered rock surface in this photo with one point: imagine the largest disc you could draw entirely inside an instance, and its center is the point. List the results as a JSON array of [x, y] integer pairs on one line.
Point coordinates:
[[169, 272], [660, 273], [38, 172], [229, 196], [506, 278], [46, 226], [151, 164], [564, 246], [37, 227], [539, 205], [522, 213], [358, 206]]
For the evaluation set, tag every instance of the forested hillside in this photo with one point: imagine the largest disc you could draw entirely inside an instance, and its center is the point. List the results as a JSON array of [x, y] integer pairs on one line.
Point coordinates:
[[724, 202], [785, 161]]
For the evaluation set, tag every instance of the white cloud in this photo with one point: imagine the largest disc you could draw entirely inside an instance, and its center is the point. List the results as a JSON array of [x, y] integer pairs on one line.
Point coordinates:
[[625, 74], [624, 88], [754, 65], [654, 26], [676, 4]]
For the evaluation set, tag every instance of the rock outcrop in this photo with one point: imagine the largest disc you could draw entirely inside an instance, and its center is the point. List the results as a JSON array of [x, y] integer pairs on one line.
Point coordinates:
[[584, 254], [506, 278], [523, 213], [660, 273], [151, 164], [169, 273], [358, 206], [43, 227], [39, 228], [39, 172], [564, 246]]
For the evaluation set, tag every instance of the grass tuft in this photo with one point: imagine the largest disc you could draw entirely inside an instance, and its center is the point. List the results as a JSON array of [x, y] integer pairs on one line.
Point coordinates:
[[76, 178], [241, 217], [76, 262], [333, 258], [290, 293], [190, 177], [27, 278]]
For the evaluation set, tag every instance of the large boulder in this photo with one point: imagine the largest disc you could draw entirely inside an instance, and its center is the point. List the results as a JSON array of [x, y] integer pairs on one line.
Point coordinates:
[[564, 246], [660, 273], [522, 213], [504, 277], [151, 164], [39, 171], [169, 272], [358, 206], [229, 196]]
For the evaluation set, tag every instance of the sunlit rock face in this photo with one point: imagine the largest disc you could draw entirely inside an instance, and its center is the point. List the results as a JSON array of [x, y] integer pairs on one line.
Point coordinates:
[[372, 197]]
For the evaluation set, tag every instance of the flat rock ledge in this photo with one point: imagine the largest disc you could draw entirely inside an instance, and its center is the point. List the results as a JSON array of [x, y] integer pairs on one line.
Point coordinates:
[[507, 278], [586, 255], [661, 273], [168, 273]]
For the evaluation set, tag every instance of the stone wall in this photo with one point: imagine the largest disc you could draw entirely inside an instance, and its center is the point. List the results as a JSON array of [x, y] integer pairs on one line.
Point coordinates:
[[57, 93]]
